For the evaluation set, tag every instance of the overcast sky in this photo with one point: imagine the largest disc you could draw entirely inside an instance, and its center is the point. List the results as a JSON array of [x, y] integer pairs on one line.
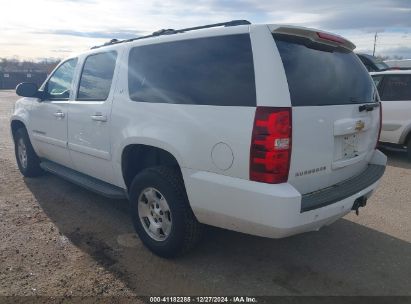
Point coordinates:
[[55, 28]]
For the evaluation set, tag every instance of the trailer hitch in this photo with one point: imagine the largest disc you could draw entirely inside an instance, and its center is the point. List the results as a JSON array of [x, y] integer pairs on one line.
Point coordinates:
[[358, 203]]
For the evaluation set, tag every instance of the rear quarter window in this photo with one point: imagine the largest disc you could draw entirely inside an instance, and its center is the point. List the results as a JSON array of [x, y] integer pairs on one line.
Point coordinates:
[[320, 75], [204, 71]]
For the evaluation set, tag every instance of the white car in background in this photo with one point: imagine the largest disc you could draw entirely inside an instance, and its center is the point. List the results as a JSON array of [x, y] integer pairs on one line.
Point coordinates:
[[394, 87], [402, 64]]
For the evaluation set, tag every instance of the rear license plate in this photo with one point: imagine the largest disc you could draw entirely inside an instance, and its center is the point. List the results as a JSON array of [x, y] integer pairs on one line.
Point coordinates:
[[350, 146]]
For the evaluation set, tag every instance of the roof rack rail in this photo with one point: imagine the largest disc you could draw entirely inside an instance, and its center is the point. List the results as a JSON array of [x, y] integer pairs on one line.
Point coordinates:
[[172, 31]]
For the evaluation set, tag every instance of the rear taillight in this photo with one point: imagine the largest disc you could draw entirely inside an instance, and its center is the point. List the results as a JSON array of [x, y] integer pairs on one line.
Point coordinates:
[[379, 129], [271, 145]]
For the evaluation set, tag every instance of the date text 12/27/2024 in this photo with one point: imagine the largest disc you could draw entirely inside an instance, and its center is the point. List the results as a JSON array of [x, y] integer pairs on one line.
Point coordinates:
[[202, 299]]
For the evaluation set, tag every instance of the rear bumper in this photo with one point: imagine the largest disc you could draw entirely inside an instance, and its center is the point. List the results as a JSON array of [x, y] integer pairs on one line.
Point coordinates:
[[273, 211], [342, 190]]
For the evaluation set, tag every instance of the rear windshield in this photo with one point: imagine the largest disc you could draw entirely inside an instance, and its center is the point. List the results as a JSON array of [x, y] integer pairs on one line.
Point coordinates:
[[319, 75]]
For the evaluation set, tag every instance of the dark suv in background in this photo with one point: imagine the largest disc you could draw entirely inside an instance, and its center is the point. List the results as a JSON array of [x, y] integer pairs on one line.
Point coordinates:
[[372, 63]]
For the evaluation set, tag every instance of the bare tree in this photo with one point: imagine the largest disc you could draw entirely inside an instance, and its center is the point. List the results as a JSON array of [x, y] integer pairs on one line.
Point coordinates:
[[15, 65]]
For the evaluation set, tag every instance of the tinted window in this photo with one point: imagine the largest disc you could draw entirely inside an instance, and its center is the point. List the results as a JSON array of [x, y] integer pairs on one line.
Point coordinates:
[[367, 64], [373, 63], [377, 79], [96, 77], [382, 66], [59, 84], [396, 87], [206, 71], [319, 75]]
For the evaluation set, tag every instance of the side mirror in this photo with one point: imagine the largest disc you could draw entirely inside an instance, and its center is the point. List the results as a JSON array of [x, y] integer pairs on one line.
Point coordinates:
[[27, 89]]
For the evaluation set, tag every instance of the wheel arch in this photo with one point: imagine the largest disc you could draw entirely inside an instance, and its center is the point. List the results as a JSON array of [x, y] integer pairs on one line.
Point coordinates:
[[136, 157], [405, 135], [16, 124], [407, 138]]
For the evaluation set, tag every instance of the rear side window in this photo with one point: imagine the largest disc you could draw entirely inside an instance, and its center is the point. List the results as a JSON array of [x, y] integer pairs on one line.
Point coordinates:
[[320, 75], [396, 87], [204, 71], [96, 77]]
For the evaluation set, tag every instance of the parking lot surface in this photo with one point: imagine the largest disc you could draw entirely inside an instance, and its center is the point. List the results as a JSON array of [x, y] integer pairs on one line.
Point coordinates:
[[57, 239]]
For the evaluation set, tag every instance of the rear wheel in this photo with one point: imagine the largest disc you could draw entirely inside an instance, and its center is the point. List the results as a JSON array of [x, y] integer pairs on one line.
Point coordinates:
[[409, 148], [27, 160], [161, 212]]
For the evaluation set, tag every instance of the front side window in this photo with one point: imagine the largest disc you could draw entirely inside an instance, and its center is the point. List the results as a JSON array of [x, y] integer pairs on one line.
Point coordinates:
[[204, 71], [96, 77], [396, 87], [59, 84]]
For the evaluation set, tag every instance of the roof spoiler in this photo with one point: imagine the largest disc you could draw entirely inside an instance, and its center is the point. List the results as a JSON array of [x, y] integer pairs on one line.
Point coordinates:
[[315, 35]]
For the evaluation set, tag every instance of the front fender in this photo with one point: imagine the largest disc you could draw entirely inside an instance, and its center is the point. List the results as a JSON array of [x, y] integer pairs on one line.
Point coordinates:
[[21, 113]]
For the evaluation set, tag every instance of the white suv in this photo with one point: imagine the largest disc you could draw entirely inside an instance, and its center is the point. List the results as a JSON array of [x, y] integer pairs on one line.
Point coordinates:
[[263, 129], [394, 88]]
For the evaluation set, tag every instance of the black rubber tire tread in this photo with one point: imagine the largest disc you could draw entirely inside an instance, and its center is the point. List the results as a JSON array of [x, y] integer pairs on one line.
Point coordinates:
[[186, 230], [33, 162]]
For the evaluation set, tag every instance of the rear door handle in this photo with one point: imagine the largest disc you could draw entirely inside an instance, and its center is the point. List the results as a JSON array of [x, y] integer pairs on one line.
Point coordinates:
[[99, 117], [59, 114]]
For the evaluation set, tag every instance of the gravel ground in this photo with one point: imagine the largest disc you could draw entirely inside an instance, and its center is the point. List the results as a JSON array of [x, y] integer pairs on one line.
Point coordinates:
[[57, 239]]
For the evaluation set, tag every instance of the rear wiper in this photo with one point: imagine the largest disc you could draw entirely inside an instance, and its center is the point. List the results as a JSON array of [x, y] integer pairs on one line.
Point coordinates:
[[368, 107]]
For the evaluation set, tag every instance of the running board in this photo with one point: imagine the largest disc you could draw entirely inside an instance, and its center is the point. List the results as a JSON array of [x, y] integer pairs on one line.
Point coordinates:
[[85, 181]]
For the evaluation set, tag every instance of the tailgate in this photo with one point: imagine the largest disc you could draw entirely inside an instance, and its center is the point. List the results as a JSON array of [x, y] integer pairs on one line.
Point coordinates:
[[330, 144]]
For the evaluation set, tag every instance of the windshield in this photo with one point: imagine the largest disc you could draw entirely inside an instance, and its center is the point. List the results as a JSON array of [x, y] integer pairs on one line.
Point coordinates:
[[382, 66]]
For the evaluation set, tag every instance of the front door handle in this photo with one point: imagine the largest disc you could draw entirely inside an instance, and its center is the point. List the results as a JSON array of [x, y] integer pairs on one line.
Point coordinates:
[[99, 117], [59, 114]]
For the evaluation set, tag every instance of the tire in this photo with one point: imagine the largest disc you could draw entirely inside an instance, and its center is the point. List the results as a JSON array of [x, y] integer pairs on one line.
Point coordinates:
[[180, 231], [27, 160], [409, 148]]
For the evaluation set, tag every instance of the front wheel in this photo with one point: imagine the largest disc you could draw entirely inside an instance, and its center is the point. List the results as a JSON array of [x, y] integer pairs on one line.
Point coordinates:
[[27, 160], [161, 213]]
